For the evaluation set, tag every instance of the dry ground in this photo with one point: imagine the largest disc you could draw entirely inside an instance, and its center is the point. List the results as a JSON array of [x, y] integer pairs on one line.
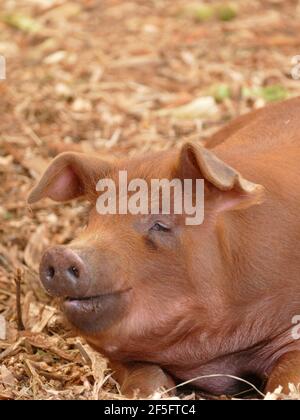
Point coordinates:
[[113, 76]]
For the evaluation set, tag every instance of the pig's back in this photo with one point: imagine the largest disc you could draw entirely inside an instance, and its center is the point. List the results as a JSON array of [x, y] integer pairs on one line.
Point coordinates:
[[261, 130], [266, 149]]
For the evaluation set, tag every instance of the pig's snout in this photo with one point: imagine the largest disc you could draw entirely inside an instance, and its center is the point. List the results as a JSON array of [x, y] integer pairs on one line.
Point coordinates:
[[64, 273]]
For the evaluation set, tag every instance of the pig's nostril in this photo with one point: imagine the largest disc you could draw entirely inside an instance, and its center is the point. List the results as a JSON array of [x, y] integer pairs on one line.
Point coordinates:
[[50, 273], [74, 272]]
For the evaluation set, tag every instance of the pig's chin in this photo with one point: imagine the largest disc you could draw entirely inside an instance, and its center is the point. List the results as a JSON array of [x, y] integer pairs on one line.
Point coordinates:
[[96, 314]]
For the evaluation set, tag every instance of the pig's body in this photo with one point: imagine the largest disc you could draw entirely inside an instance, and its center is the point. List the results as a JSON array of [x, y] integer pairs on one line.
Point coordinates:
[[260, 260], [219, 298]]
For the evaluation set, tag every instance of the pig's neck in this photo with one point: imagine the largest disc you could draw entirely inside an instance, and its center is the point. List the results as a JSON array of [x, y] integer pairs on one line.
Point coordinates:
[[249, 305], [261, 284]]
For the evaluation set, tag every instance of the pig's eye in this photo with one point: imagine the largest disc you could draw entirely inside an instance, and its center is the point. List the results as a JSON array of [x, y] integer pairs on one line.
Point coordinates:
[[159, 227]]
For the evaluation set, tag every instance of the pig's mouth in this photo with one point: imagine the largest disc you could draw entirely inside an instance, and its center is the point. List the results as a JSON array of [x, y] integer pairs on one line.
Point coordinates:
[[96, 313], [84, 299]]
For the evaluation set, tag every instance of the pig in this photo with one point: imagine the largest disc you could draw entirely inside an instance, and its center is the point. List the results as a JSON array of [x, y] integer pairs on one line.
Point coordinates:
[[168, 303]]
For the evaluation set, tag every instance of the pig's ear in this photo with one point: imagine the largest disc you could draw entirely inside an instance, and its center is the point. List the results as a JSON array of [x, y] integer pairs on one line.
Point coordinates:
[[226, 187], [70, 175]]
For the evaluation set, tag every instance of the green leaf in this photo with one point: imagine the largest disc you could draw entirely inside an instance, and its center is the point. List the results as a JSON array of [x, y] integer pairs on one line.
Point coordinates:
[[22, 22], [226, 12], [247, 92], [203, 13], [274, 93], [199, 12], [271, 93], [221, 92]]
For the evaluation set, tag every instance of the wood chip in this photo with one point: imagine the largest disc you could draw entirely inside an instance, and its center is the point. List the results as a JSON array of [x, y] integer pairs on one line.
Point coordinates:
[[2, 328]]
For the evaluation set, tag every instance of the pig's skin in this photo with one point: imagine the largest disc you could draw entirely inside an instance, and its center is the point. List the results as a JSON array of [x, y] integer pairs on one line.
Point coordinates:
[[213, 299]]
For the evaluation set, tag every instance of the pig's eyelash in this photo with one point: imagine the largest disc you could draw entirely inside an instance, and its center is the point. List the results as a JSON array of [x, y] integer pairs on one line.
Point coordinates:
[[159, 227]]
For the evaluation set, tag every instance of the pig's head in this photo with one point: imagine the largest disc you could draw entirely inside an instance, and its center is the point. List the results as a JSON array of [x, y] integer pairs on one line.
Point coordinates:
[[135, 284]]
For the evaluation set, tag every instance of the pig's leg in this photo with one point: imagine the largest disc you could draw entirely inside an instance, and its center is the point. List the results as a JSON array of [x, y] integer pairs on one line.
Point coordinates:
[[141, 379], [285, 372]]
